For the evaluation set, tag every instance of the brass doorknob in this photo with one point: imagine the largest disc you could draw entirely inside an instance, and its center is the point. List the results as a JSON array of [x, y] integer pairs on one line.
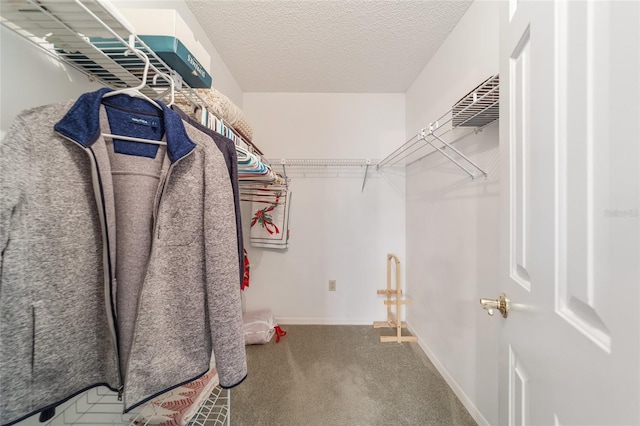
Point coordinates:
[[502, 304]]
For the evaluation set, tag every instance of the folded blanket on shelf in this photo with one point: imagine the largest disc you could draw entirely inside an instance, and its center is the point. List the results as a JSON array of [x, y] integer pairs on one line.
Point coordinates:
[[178, 406], [270, 220]]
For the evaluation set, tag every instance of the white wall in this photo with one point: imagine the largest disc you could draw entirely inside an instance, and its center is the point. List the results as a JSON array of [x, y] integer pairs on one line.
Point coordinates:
[[30, 77], [452, 221], [337, 232]]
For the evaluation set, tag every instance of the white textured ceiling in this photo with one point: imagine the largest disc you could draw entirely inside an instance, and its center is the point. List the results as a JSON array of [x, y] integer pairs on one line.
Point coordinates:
[[327, 46]]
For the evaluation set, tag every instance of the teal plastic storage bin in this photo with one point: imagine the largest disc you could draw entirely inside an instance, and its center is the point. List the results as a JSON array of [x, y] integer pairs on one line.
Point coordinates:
[[178, 57]]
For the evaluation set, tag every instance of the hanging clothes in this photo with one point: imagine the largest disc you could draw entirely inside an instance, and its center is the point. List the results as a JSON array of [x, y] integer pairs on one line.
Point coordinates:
[[228, 150], [118, 259]]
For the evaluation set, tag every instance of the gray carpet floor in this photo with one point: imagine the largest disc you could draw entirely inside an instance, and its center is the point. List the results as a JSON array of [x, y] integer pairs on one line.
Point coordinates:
[[342, 375]]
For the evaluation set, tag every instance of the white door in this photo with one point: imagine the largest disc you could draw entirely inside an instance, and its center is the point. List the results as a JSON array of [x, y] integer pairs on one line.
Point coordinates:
[[570, 160]]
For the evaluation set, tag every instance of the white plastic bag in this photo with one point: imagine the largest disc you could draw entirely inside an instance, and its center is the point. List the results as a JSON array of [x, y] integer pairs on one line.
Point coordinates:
[[258, 327]]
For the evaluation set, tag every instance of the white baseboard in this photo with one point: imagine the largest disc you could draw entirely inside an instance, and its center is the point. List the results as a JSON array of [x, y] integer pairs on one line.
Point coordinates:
[[323, 321], [455, 387]]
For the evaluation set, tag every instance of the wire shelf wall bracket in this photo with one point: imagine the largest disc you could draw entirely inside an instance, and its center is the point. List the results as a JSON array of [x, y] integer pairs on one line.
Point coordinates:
[[366, 171], [423, 136], [476, 110]]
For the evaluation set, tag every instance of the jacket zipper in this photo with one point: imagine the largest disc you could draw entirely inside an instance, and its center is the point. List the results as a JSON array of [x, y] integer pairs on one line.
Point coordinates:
[[111, 313]]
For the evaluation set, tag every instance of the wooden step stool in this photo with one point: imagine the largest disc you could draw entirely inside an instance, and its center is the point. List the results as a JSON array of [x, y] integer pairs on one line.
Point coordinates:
[[394, 298]]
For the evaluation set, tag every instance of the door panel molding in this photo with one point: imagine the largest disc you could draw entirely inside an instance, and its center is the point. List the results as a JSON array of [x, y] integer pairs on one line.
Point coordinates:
[[518, 391], [520, 137], [581, 148]]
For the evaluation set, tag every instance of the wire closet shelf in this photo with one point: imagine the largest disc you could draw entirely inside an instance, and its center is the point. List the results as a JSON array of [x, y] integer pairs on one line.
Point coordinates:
[[92, 37], [476, 110], [309, 163], [100, 407]]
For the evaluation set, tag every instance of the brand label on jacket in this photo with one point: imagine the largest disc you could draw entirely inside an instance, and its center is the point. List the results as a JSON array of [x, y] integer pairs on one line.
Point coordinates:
[[143, 121]]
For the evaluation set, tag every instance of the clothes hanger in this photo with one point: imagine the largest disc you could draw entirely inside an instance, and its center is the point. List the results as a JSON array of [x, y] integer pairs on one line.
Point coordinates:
[[132, 139], [172, 88], [135, 91]]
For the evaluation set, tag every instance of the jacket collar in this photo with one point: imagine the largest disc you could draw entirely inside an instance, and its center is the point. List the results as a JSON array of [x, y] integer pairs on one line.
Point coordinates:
[[82, 122]]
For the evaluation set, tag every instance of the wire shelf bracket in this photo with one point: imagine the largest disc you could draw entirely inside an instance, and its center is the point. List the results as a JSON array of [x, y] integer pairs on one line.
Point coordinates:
[[476, 110], [423, 136]]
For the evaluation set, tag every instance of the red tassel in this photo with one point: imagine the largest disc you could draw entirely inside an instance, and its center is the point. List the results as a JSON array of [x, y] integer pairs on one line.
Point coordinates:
[[247, 269], [279, 333]]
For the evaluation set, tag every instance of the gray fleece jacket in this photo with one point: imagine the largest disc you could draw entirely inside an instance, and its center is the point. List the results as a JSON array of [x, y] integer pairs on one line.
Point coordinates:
[[119, 259]]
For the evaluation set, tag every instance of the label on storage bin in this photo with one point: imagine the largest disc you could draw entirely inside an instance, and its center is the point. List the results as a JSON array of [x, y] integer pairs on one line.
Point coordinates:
[[196, 66]]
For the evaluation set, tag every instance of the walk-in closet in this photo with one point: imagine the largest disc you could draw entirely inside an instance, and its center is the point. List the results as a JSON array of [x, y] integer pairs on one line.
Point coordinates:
[[319, 212]]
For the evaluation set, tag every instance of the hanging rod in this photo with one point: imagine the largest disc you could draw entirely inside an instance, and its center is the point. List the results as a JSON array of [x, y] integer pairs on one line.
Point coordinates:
[[404, 156], [319, 162], [476, 110]]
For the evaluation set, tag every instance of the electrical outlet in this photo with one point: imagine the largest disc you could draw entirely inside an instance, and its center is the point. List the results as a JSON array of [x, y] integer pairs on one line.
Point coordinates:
[[332, 285]]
